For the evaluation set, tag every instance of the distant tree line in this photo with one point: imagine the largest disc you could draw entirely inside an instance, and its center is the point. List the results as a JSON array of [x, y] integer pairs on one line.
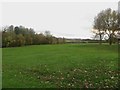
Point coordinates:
[[107, 26], [20, 36]]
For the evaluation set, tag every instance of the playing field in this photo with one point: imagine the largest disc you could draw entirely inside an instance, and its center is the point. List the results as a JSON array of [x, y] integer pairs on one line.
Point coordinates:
[[65, 65]]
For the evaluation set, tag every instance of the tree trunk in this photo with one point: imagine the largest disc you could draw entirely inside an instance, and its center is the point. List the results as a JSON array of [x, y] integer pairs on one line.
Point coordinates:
[[110, 39], [118, 40], [100, 41]]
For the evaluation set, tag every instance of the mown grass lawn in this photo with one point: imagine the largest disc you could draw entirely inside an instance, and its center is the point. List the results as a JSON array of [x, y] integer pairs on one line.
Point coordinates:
[[65, 65]]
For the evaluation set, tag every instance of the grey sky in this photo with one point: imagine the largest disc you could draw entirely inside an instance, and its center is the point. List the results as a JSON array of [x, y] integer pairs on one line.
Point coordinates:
[[63, 19]]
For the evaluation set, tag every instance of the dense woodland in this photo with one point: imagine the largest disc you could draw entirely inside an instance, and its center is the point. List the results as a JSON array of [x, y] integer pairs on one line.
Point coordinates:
[[20, 36]]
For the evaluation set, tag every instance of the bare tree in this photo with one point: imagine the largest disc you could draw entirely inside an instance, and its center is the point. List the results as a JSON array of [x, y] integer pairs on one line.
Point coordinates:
[[106, 23]]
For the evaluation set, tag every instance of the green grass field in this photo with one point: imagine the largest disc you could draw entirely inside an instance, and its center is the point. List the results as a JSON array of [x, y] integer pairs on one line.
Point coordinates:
[[65, 65]]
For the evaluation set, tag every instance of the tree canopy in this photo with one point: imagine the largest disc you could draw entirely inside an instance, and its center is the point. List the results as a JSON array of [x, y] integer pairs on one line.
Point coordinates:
[[20, 36], [107, 23]]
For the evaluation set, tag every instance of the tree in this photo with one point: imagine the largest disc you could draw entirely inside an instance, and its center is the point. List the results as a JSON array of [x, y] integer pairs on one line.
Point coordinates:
[[8, 36], [99, 26], [28, 39], [17, 30], [20, 40], [0, 38], [106, 23], [49, 37], [19, 36], [47, 33]]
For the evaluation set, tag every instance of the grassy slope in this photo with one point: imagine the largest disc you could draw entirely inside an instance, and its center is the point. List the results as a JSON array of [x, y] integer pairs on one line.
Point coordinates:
[[70, 65]]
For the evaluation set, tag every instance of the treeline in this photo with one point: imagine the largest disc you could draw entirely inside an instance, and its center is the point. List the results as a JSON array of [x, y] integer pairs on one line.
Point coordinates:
[[20, 36]]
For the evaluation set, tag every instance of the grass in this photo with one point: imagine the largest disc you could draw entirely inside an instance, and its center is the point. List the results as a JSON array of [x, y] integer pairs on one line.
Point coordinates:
[[56, 66]]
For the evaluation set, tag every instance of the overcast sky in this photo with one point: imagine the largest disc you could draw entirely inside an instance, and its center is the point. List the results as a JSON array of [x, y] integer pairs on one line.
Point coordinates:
[[62, 19]]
